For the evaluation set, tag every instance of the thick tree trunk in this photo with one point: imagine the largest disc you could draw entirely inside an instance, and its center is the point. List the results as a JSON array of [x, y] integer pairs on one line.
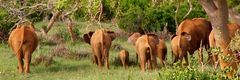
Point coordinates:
[[218, 16]]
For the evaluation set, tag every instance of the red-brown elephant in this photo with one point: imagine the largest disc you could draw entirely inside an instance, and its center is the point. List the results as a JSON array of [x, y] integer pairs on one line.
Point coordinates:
[[194, 32], [180, 53], [100, 41], [232, 28], [146, 51], [23, 40], [157, 46]]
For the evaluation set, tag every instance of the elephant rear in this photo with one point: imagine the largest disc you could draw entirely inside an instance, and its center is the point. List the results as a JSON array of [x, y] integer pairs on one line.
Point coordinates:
[[23, 40]]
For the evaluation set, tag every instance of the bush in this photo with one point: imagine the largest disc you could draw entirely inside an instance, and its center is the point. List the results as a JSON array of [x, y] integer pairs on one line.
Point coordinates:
[[5, 24], [143, 15]]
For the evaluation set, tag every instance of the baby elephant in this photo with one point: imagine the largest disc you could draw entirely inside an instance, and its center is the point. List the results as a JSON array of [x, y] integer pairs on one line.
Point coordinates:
[[23, 40], [124, 57]]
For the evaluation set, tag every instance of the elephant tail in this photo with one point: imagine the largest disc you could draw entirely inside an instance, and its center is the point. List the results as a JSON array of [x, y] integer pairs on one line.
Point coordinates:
[[22, 32]]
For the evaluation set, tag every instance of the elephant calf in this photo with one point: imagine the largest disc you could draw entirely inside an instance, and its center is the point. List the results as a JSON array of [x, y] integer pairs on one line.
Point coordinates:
[[23, 40], [124, 57]]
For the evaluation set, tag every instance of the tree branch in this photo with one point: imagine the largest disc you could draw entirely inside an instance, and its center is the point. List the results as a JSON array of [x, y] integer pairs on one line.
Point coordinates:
[[209, 6], [190, 9], [234, 16]]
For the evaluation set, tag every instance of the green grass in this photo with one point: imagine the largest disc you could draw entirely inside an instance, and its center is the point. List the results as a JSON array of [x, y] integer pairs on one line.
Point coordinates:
[[83, 69]]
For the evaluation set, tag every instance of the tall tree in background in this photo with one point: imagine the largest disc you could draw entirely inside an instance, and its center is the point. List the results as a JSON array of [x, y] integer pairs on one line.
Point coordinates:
[[217, 11]]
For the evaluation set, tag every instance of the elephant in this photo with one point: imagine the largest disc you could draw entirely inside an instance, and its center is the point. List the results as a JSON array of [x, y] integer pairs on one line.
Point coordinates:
[[146, 49], [180, 53], [232, 28], [124, 57], [195, 33], [100, 42], [162, 51], [158, 46], [23, 41]]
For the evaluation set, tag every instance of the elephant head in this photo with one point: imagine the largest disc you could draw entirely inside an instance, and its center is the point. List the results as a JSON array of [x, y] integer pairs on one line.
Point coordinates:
[[88, 36]]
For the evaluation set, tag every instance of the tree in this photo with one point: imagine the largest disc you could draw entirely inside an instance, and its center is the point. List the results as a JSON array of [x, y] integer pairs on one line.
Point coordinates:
[[21, 9], [217, 11]]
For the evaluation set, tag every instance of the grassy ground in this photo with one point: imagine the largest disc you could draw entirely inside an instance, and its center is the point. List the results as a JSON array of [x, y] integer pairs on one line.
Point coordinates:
[[81, 68]]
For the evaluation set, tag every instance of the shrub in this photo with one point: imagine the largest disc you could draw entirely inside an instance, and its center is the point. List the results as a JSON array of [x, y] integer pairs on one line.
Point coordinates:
[[143, 15]]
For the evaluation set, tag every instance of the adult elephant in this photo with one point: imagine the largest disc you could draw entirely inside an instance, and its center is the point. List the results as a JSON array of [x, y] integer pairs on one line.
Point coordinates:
[[180, 53], [23, 40], [194, 32], [157, 45], [100, 41], [232, 28], [146, 50]]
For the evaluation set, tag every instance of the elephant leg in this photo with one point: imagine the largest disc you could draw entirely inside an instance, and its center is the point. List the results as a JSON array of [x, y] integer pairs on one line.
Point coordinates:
[[27, 58], [186, 59], [95, 60], [175, 59], [105, 57], [136, 58], [99, 61], [20, 62], [123, 63], [162, 62], [107, 62], [155, 63], [126, 62], [142, 63], [149, 63]]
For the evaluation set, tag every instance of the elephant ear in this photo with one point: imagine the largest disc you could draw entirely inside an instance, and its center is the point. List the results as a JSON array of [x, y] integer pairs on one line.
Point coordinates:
[[133, 38], [112, 34], [87, 36], [187, 36]]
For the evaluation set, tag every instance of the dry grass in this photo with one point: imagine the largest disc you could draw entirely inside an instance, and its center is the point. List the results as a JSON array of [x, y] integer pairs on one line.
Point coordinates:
[[62, 51], [46, 60]]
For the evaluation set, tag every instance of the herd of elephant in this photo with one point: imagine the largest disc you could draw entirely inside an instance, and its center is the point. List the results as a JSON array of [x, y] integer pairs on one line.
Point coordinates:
[[191, 35]]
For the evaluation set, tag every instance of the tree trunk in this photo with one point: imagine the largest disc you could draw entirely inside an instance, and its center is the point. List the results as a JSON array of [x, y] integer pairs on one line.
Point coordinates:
[[51, 22], [218, 16], [70, 29]]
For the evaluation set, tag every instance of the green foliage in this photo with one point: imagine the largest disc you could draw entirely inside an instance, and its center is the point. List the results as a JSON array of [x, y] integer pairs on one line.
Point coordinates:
[[66, 35], [5, 23], [235, 42], [143, 15]]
